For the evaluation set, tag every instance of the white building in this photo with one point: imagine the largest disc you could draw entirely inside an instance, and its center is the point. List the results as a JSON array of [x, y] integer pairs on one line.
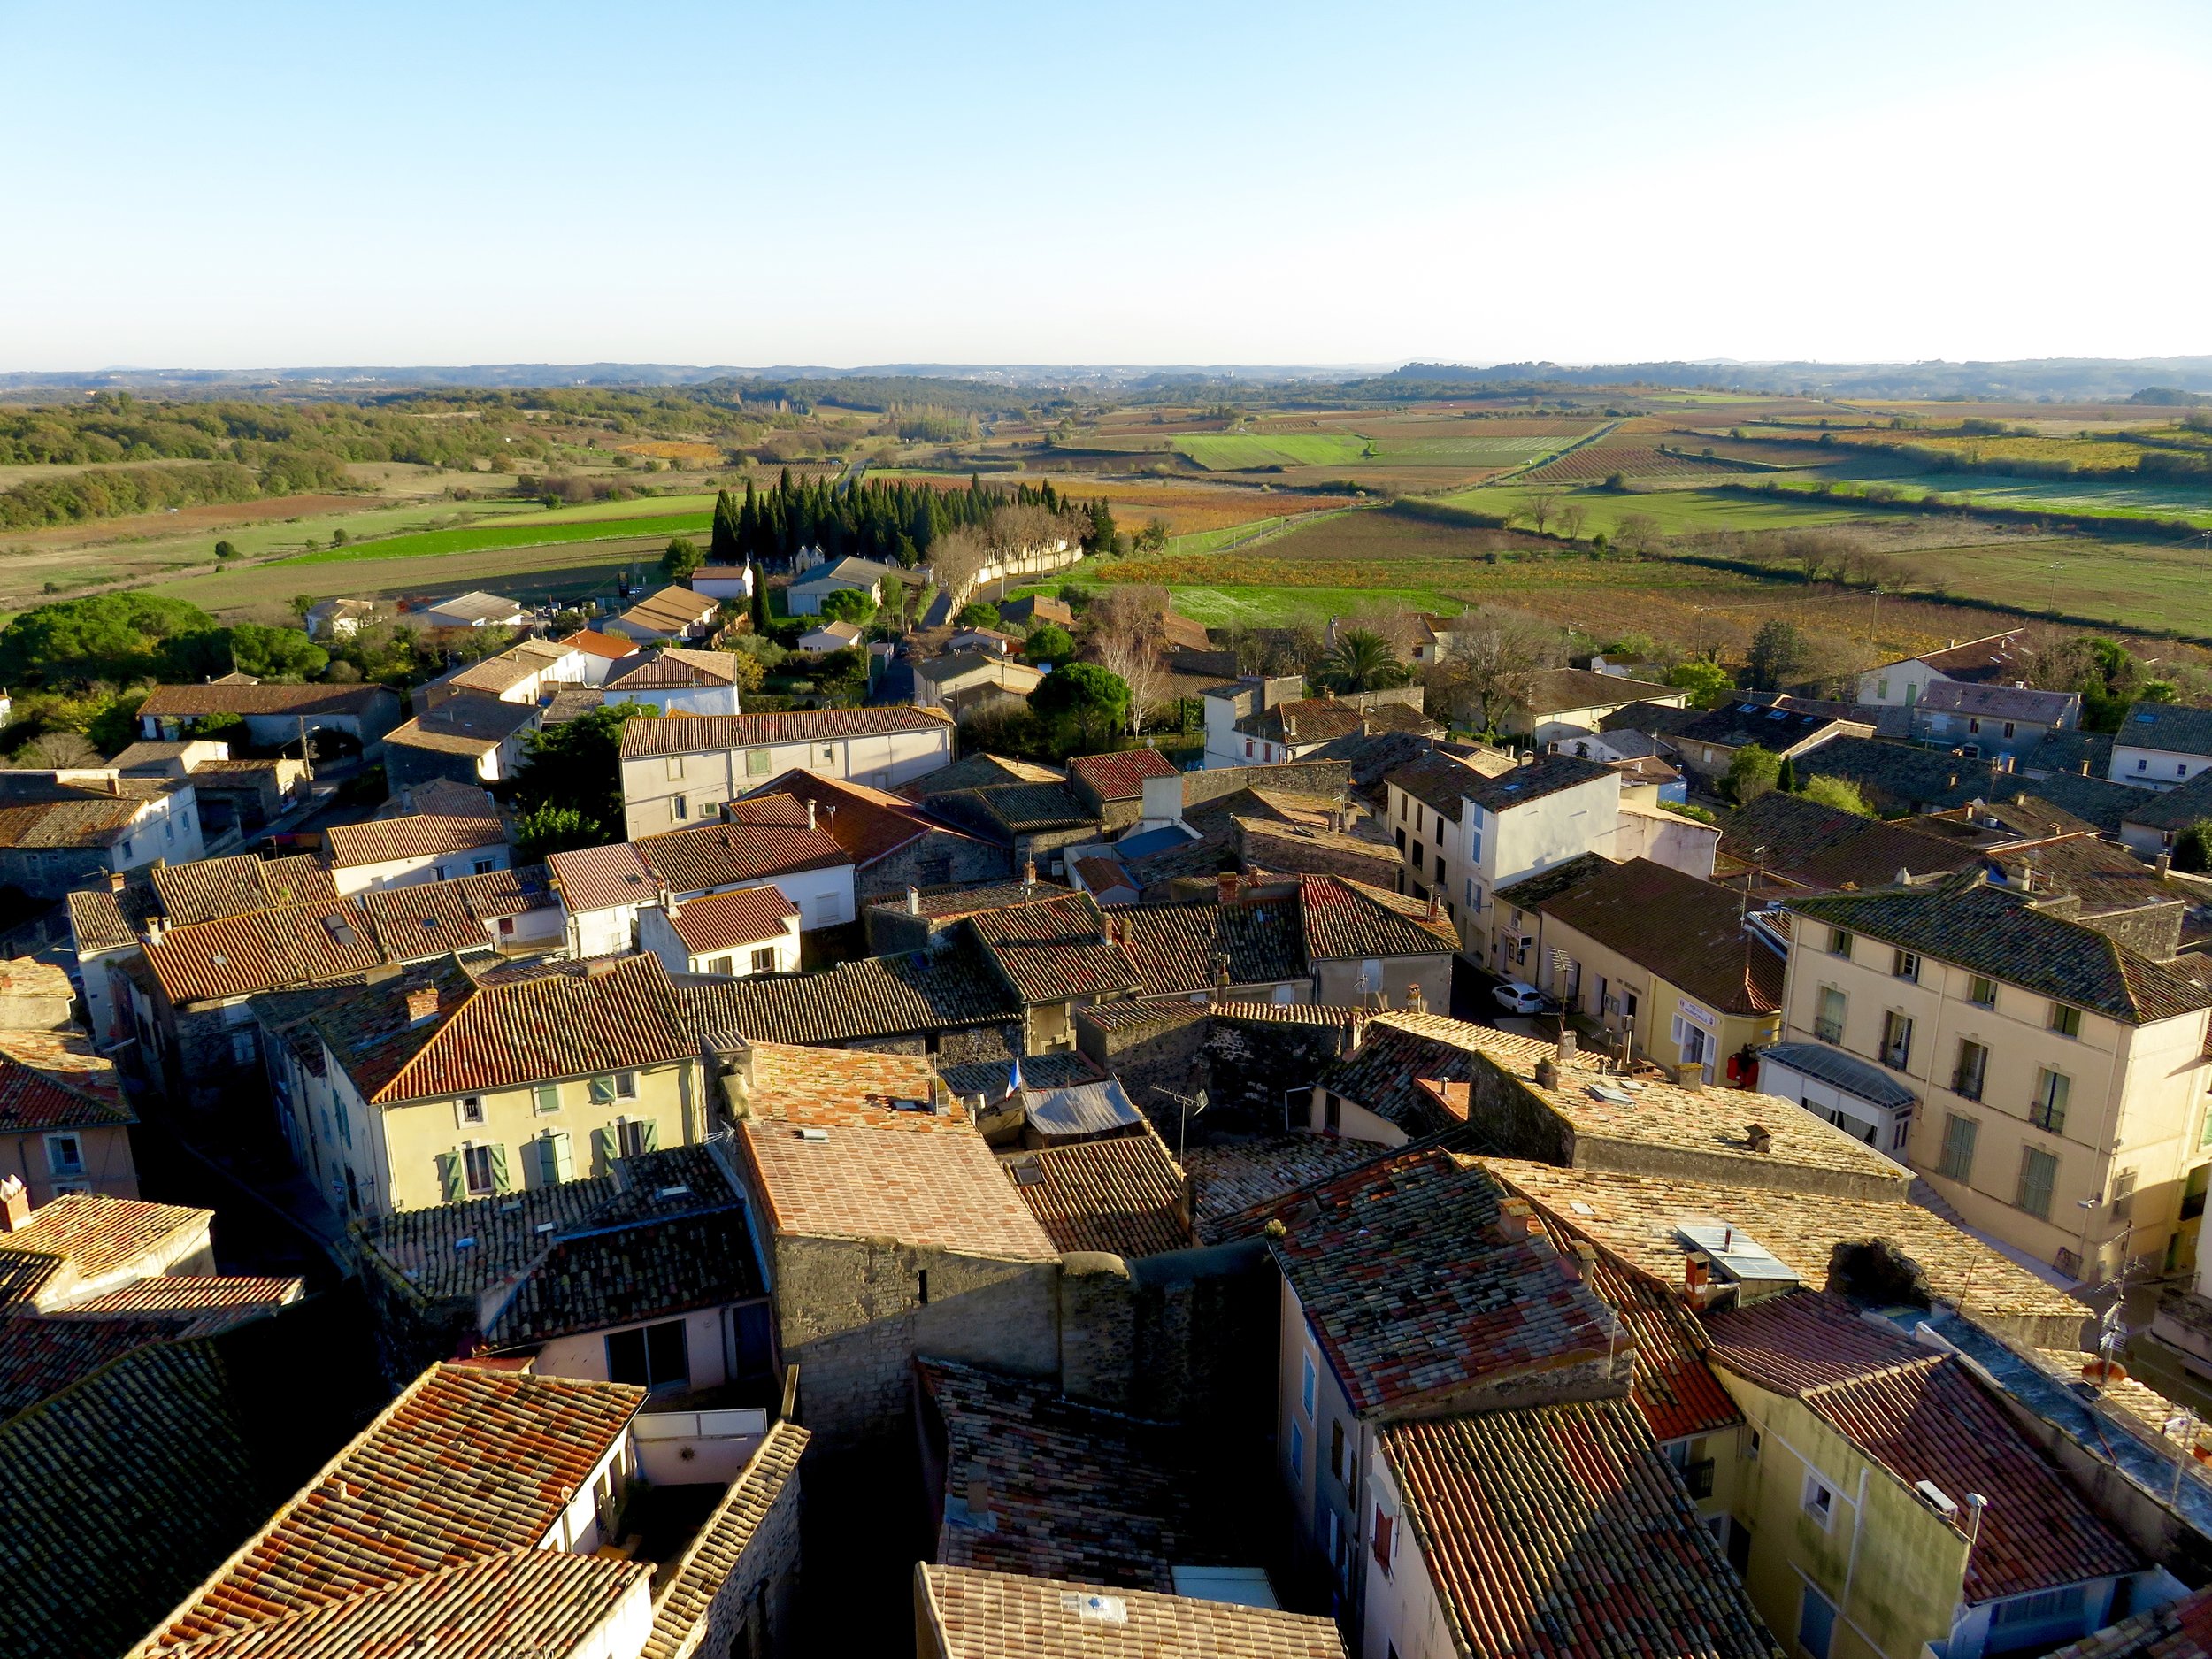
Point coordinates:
[[721, 582], [2162, 744], [423, 847], [2001, 658], [740, 933], [473, 610], [677, 682], [678, 772]]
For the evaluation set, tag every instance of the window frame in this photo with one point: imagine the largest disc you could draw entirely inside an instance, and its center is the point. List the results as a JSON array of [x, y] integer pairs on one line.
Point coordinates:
[[1977, 982], [2025, 1189], [469, 1110], [1817, 1499], [1897, 1040], [1905, 964], [1981, 1071], [2065, 1021], [2054, 1095], [469, 1155], [1961, 1134], [74, 1166], [1826, 1030]]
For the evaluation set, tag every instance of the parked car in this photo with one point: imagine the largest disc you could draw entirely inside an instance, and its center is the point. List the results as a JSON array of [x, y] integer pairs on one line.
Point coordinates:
[[1517, 997]]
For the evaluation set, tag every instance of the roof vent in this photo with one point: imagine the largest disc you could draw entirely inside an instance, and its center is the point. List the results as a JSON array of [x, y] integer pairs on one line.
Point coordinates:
[[1759, 1137], [1609, 1094], [466, 1241], [542, 1226], [812, 1133], [510, 1206], [680, 1190], [1095, 1609], [1936, 1498], [218, 960]]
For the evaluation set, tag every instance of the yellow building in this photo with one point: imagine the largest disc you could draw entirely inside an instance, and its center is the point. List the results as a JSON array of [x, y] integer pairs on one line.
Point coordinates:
[[2049, 1081], [424, 1086]]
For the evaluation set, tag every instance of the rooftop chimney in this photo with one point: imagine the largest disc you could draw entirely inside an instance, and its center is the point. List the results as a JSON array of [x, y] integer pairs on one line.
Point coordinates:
[[115, 881], [913, 901], [1760, 1137], [1434, 904], [422, 1005], [1691, 1076], [2163, 865], [1226, 888], [15, 1204], [1415, 1003], [1566, 1042], [809, 813]]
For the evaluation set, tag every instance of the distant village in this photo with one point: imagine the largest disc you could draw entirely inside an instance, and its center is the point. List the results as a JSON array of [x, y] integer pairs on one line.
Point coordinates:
[[1322, 1189]]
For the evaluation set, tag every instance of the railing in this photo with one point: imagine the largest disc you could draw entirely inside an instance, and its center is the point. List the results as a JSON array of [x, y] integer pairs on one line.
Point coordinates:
[[1829, 1031]]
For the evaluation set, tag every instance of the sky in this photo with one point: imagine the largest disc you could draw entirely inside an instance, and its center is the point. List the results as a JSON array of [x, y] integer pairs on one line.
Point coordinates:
[[234, 187]]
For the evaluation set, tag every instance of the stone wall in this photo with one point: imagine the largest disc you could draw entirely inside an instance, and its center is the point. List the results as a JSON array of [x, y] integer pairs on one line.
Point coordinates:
[[932, 860], [1160, 1053], [856, 1312], [1251, 1064], [1298, 777], [1184, 1338], [1264, 844], [755, 1610]]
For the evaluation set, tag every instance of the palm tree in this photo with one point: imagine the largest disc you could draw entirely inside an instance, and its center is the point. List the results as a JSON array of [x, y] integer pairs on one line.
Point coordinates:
[[1363, 661]]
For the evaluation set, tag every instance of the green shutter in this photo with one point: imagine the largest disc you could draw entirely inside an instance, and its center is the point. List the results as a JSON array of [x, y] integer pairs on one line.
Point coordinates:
[[606, 1146], [564, 1155], [501, 1182], [452, 1180], [649, 1135], [544, 1161], [549, 1097]]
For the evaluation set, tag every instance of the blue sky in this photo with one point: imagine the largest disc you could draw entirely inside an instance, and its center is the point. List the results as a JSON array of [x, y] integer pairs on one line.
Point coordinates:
[[240, 186]]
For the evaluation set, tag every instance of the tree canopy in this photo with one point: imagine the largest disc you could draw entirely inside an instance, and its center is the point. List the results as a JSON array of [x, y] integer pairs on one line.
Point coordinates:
[[107, 637], [575, 768], [1083, 704], [848, 604], [1751, 773], [1048, 642], [683, 557], [1362, 660]]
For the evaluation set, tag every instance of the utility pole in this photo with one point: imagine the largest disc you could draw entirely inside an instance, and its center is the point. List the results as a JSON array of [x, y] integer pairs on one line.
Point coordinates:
[[307, 757]]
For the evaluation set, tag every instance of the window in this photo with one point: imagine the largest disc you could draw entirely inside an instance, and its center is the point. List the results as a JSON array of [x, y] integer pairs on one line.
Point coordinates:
[[2048, 1110], [611, 1087], [764, 959], [718, 965], [1751, 1447], [2065, 1020], [477, 1168], [1384, 1531], [549, 1097], [1973, 1066], [2039, 1173], [1838, 942], [637, 1136], [679, 809], [471, 1109], [653, 1357], [675, 768], [1332, 1114], [1905, 965], [756, 762], [1896, 1040], [1439, 829], [1881, 689], [1981, 992], [1820, 1500], [1974, 727], [65, 1155], [482, 867], [1816, 1623], [1401, 838], [2008, 728], [1336, 1451], [1306, 1383], [1297, 1452], [243, 1049], [2140, 765], [2123, 1196], [1898, 1134], [1958, 1146]]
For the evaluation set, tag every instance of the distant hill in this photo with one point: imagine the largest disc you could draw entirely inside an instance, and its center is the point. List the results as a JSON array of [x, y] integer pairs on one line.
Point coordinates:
[[2105, 380]]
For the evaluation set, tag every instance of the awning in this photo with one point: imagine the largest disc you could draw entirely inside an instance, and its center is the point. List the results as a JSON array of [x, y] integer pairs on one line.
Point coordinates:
[[1846, 1072]]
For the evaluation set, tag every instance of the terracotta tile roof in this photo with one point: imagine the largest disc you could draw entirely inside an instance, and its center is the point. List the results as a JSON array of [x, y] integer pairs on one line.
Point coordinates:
[[1232, 1181], [858, 1087], [1418, 1284], [477, 604], [1556, 690], [213, 889], [1120, 776], [1288, 1013], [1989, 930], [117, 1496], [69, 817], [671, 610], [515, 1601], [975, 771], [100, 919], [81, 1238], [2000, 702], [1996, 657], [51, 1082], [674, 670], [263, 950], [1053, 950], [40, 1358], [1007, 809], [1635, 1218], [435, 919], [1037, 1483], [978, 1614], [1177, 949], [620, 1015], [876, 996], [878, 1181], [183, 702], [1560, 1531], [735, 855], [198, 1301], [1501, 791], [681, 1607], [724, 921], [1396, 1055], [947, 903], [597, 644], [648, 739], [469, 723], [419, 836], [1322, 719], [1122, 1195], [663, 1234], [1345, 919], [867, 823], [2179, 1629], [1922, 1417], [600, 878], [989, 1078], [1688, 932], [466, 1462]]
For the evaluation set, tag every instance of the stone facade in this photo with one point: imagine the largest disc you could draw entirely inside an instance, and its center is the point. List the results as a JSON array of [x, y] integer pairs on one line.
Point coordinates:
[[1184, 1337], [936, 859]]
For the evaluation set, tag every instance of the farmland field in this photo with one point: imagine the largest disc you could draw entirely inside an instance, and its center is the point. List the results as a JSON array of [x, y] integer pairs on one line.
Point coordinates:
[[1240, 451], [1600, 461], [1672, 510], [2056, 495], [532, 533]]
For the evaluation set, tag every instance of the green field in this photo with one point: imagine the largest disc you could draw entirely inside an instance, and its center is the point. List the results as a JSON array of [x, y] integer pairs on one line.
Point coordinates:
[[2056, 495], [1672, 510], [1240, 451], [535, 533], [1507, 451]]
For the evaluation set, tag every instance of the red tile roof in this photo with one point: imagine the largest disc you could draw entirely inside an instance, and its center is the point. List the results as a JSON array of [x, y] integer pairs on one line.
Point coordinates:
[[1120, 776], [1054, 950], [723, 921], [299, 944], [598, 644], [2179, 1629], [419, 836], [1689, 932], [867, 823], [1922, 1417], [466, 1462], [600, 878], [195, 1294], [1417, 1283], [735, 855], [1560, 1533], [84, 1237], [1344, 919], [49, 1081], [687, 1600], [978, 1614], [1123, 1195], [183, 702], [647, 739], [212, 888]]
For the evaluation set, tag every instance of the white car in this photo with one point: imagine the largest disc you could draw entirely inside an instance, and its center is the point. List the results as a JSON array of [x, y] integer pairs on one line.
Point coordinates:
[[1517, 997]]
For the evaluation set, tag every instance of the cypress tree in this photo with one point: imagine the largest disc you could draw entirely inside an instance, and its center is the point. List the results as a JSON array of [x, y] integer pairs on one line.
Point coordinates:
[[1785, 777], [723, 548]]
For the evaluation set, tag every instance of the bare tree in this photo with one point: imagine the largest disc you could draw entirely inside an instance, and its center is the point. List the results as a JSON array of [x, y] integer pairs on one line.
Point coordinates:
[[1638, 534], [1485, 672], [58, 749], [1572, 516], [1018, 529], [956, 561], [1541, 507], [1126, 637]]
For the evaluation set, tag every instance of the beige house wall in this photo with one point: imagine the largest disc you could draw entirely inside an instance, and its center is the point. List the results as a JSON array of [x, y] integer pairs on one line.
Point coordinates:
[[1597, 973]]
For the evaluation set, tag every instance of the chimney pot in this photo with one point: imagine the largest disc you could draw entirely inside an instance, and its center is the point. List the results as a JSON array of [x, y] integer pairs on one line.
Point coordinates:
[[115, 881], [913, 901], [1691, 1076], [1226, 888], [1566, 1042], [15, 1204], [809, 814], [1029, 871], [2163, 863], [422, 1004], [1548, 1072], [1416, 1001]]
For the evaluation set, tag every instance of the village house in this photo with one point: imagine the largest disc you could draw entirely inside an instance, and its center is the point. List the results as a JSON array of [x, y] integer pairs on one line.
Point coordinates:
[[472, 738], [235, 798], [65, 1125], [475, 609], [647, 1274], [675, 772], [830, 636], [64, 829], [601, 653], [507, 911], [1708, 746], [677, 682], [1569, 702], [744, 931], [967, 1613], [1263, 721], [2057, 1077], [422, 1085], [338, 618], [86, 1279], [2000, 659], [275, 716], [1031, 823], [522, 673], [850, 575], [603, 889], [1112, 786], [893, 843], [1978, 720], [969, 683], [1029, 610], [947, 1003], [2153, 818], [671, 614], [505, 1498], [391, 852], [723, 583]]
